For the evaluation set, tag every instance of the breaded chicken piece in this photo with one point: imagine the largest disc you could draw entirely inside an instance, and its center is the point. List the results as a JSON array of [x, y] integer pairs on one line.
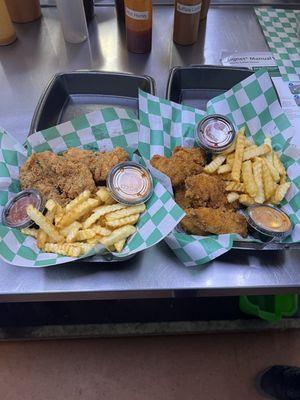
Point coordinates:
[[99, 163], [87, 157], [189, 226], [214, 220], [181, 199], [56, 177], [184, 162], [205, 190], [186, 222], [107, 160]]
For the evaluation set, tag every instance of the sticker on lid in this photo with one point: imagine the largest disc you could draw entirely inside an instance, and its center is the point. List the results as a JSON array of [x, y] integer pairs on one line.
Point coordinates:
[[130, 183], [215, 133]]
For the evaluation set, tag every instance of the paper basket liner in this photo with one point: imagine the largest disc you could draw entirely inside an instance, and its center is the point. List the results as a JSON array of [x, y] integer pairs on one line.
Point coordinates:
[[251, 103]]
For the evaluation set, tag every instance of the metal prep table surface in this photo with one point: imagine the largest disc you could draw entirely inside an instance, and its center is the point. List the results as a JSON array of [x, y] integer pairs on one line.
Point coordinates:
[[27, 66]]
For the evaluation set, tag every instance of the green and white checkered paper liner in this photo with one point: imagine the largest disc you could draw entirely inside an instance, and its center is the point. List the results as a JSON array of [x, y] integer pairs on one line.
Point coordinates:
[[100, 130], [280, 29], [251, 103]]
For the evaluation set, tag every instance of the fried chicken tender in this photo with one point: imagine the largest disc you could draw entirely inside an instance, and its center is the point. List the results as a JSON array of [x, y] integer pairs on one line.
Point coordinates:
[[189, 226], [184, 162], [56, 177], [186, 222], [205, 190], [99, 163], [204, 220], [181, 199]]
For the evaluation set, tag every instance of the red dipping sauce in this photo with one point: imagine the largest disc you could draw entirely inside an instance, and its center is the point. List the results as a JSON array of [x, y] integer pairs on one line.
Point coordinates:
[[15, 215]]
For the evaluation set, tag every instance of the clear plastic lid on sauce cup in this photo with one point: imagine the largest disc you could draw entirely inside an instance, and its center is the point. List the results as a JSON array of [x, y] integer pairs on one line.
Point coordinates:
[[130, 183], [14, 214], [215, 133], [268, 222]]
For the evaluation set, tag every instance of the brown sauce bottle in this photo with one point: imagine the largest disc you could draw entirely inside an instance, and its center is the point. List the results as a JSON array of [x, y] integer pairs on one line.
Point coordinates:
[[186, 21], [7, 31], [22, 11], [138, 19]]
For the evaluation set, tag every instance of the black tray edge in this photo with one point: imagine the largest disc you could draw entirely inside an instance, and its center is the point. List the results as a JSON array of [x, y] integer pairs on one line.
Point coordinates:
[[264, 246], [198, 66], [43, 97]]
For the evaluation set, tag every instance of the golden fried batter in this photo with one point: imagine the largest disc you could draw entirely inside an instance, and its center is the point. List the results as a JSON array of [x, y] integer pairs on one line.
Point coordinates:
[[56, 177], [181, 199], [99, 163], [214, 220], [184, 162], [186, 222], [87, 157], [205, 190], [189, 225]]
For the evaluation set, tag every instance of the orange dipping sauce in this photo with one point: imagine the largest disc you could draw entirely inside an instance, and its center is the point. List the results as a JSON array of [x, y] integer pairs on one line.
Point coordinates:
[[270, 219]]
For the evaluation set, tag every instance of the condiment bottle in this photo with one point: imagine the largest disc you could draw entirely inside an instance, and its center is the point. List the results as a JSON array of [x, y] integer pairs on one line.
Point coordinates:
[[73, 20], [186, 21], [204, 9], [7, 31], [138, 19], [120, 10], [22, 11]]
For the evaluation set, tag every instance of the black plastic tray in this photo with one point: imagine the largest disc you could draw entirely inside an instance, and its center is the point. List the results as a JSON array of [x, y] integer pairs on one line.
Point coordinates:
[[70, 94], [195, 85]]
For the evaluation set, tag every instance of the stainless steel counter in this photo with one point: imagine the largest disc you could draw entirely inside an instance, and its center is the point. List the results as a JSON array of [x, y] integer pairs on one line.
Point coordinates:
[[26, 67]]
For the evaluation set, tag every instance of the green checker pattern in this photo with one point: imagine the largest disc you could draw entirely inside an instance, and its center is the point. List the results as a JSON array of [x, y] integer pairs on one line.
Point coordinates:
[[251, 103], [280, 29], [100, 130]]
